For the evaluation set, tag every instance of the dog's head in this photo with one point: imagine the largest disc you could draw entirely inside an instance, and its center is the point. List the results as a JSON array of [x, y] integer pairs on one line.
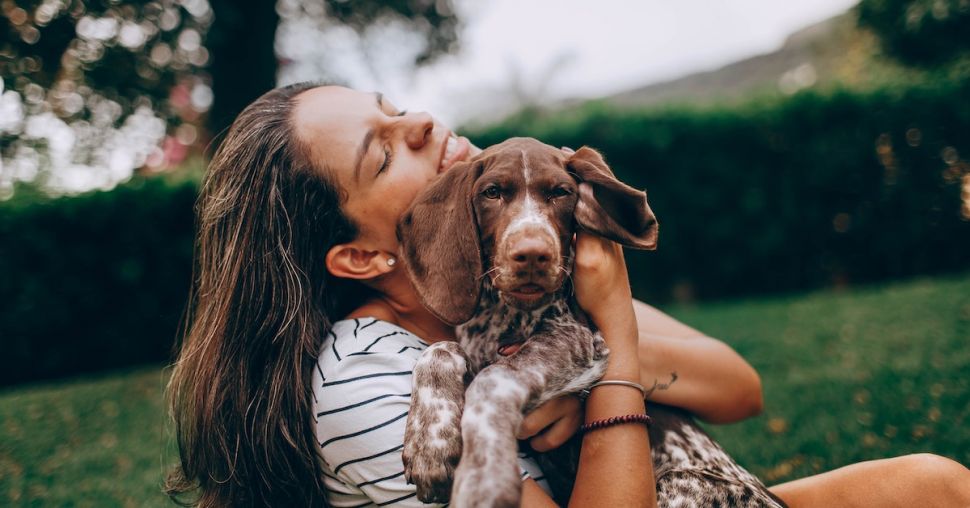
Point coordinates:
[[510, 214]]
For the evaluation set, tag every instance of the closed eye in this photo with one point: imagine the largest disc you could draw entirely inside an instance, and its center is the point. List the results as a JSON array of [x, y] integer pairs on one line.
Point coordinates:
[[388, 158]]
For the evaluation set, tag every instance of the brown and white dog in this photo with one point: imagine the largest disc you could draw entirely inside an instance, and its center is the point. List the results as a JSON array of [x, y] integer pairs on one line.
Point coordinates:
[[488, 247]]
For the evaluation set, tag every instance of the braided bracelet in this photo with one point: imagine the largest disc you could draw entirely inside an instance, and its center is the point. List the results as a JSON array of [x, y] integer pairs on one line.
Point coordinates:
[[616, 420]]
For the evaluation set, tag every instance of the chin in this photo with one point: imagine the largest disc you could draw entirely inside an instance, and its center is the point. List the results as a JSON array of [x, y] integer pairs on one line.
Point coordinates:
[[525, 302]]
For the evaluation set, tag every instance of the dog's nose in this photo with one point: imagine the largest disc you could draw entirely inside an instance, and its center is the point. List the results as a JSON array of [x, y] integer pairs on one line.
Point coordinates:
[[531, 253]]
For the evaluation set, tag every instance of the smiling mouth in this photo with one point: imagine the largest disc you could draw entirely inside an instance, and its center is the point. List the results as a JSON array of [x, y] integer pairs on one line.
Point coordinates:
[[455, 149]]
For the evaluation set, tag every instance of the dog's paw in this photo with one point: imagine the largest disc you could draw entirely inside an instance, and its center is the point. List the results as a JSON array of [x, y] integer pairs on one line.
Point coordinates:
[[430, 468], [431, 479]]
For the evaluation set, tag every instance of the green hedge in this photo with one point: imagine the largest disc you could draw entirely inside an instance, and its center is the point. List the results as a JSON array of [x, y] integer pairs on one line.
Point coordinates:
[[95, 281], [786, 194], [776, 196]]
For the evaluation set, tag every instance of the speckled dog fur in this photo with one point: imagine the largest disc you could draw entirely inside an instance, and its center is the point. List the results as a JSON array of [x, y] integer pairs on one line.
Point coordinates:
[[468, 401]]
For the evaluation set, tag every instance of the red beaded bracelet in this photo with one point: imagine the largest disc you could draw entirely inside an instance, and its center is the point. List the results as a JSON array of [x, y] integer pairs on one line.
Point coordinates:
[[616, 420]]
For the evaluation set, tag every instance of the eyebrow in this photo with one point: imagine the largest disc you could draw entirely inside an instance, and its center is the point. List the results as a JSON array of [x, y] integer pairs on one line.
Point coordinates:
[[365, 144]]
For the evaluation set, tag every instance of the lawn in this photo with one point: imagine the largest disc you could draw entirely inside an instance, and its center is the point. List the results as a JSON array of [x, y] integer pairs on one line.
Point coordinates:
[[848, 376]]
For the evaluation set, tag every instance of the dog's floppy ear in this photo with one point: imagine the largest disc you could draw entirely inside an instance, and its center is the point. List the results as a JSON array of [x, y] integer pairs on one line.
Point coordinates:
[[609, 207], [439, 245]]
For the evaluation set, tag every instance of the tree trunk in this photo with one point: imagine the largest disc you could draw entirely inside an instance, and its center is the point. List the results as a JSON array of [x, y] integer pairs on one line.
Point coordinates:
[[243, 61]]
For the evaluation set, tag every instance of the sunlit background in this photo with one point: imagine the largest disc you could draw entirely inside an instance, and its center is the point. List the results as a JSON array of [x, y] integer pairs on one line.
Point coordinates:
[[807, 162]]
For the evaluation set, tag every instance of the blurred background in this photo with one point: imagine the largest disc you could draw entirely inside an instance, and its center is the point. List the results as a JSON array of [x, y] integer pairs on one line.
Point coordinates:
[[808, 162]]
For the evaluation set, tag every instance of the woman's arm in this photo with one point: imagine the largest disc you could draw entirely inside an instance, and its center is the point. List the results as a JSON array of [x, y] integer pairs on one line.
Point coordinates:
[[695, 372], [713, 381], [615, 466]]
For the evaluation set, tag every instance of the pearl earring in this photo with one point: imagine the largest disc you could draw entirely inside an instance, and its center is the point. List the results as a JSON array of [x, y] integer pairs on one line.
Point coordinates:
[[391, 261]]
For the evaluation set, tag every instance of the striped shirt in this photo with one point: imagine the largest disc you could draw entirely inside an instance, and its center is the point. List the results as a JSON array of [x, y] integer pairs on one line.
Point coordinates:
[[361, 397]]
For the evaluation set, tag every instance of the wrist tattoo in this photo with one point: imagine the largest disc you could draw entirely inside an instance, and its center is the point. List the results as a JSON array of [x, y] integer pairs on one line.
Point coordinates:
[[657, 385]]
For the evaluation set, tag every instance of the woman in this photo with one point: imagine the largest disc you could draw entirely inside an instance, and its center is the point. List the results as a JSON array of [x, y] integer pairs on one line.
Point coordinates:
[[297, 245]]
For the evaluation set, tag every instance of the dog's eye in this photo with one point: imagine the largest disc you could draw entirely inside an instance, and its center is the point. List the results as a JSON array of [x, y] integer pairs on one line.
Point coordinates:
[[492, 192], [560, 192]]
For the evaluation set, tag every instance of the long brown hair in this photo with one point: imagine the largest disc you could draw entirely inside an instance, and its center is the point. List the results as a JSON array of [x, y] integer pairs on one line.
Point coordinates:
[[261, 303]]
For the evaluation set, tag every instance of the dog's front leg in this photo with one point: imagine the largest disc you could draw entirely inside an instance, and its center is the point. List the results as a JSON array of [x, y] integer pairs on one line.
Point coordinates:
[[488, 474], [432, 436]]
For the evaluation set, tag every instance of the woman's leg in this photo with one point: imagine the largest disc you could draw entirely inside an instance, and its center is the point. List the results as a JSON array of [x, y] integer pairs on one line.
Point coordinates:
[[912, 480]]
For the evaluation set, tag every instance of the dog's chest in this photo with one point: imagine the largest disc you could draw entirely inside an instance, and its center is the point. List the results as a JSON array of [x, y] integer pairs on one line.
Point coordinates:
[[496, 324]]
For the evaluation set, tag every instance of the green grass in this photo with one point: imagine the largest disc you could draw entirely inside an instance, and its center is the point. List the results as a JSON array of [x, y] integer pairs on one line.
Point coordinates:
[[95, 442], [848, 376]]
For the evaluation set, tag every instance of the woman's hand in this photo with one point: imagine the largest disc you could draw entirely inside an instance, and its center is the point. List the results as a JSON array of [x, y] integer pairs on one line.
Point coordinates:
[[603, 291], [552, 423], [601, 281]]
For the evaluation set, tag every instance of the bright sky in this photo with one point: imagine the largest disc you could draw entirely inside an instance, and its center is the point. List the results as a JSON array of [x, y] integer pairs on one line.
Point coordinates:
[[578, 48]]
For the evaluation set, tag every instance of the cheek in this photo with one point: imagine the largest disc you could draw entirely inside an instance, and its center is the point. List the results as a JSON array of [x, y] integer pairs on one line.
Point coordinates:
[[397, 196], [408, 182]]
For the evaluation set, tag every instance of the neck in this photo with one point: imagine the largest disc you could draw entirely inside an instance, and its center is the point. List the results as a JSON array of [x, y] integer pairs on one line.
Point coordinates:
[[398, 303]]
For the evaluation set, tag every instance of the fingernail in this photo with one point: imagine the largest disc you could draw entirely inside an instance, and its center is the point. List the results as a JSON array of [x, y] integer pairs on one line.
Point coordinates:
[[567, 149]]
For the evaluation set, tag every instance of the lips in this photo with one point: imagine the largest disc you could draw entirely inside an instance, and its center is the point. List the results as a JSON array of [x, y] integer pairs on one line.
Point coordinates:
[[527, 292], [454, 149]]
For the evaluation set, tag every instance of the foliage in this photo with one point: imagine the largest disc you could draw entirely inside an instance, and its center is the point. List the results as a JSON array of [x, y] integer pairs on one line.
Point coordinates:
[[87, 86], [95, 281], [243, 35], [919, 32], [773, 196], [436, 20], [131, 51], [848, 377], [92, 89]]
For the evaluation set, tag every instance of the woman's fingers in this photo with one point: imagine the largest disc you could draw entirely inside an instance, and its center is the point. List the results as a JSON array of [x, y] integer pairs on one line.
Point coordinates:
[[556, 434], [553, 422], [601, 282]]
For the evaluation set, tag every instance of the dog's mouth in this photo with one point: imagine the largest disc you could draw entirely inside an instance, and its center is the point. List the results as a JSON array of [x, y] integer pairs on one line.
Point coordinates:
[[527, 296], [527, 292]]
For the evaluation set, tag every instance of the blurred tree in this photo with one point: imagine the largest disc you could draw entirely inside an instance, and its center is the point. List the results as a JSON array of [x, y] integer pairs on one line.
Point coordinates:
[[919, 32], [242, 37], [91, 86], [90, 89]]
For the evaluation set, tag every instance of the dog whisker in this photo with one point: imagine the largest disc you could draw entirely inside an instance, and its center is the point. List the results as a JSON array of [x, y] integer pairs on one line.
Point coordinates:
[[569, 276], [493, 269]]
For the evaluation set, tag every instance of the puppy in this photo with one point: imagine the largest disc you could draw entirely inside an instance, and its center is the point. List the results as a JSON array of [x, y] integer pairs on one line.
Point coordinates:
[[488, 247]]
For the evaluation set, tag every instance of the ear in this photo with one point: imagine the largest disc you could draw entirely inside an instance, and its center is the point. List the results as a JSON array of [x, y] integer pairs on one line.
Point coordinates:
[[439, 245], [609, 207], [351, 261]]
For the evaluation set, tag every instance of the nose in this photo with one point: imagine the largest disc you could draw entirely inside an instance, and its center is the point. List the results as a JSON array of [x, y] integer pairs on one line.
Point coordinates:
[[531, 253], [417, 129]]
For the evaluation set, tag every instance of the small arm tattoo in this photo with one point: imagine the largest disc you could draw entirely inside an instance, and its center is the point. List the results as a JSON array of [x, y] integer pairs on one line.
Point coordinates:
[[657, 385]]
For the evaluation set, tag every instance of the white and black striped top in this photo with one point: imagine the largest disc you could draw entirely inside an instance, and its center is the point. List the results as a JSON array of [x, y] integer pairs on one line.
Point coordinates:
[[362, 393]]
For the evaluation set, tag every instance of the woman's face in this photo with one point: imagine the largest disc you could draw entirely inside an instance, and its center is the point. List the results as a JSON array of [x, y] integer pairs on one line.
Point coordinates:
[[379, 155]]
